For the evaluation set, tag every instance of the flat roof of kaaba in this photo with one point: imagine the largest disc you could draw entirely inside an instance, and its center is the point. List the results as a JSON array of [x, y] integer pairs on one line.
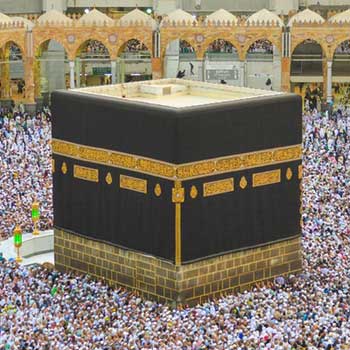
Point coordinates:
[[176, 93]]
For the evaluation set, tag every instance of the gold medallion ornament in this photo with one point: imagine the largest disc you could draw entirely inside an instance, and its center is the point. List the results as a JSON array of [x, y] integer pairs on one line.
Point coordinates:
[[243, 183], [109, 178], [194, 192], [157, 190], [64, 168], [289, 173]]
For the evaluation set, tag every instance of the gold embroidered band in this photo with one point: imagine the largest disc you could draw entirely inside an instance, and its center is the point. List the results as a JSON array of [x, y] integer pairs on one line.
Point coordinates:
[[177, 171]]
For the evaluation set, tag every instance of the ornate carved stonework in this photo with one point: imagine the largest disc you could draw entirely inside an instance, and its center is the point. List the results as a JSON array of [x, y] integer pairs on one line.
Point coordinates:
[[199, 38], [329, 39], [71, 38], [241, 38], [112, 38]]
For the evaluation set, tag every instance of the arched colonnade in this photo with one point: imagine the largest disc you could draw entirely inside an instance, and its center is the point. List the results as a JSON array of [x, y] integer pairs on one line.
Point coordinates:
[[200, 36]]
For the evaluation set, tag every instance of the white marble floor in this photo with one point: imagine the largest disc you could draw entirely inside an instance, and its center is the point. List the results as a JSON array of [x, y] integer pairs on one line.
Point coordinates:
[[31, 244]]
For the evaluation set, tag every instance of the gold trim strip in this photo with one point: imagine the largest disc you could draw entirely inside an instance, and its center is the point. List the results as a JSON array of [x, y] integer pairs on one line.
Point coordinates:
[[85, 173], [178, 189], [218, 187], [171, 171], [133, 184], [267, 178]]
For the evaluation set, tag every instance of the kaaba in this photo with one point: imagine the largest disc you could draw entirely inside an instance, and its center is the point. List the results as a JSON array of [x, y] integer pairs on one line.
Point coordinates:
[[181, 190]]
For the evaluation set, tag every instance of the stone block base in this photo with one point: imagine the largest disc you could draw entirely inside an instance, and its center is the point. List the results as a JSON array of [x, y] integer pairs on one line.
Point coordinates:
[[157, 279]]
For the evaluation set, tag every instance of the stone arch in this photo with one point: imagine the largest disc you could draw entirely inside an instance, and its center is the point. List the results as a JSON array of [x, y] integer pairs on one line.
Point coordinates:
[[227, 40], [3, 46], [46, 40], [341, 66], [296, 42], [8, 80], [125, 42], [226, 36], [315, 68], [49, 62], [84, 41], [258, 38], [165, 44], [337, 44]]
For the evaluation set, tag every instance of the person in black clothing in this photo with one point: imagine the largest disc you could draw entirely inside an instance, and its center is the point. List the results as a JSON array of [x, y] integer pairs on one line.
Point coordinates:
[[180, 74]]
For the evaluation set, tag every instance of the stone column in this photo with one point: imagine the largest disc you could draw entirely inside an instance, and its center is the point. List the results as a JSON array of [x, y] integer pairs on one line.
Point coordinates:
[[324, 80], [329, 81], [157, 68], [114, 71], [122, 70], [5, 80], [77, 72], [285, 76], [71, 74], [29, 80], [5, 75], [276, 69], [242, 73], [37, 73], [83, 76], [29, 65]]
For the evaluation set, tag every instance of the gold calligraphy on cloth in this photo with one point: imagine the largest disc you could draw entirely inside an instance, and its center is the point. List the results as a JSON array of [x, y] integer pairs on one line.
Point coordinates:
[[133, 184], [85, 173], [171, 171], [218, 187], [267, 178]]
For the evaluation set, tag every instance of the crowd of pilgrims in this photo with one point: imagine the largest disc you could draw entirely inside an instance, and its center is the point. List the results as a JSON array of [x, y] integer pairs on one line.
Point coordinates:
[[96, 48], [223, 46], [25, 169], [343, 48], [45, 310]]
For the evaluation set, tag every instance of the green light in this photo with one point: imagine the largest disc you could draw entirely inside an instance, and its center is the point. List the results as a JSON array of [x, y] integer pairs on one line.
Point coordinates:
[[35, 213], [17, 238]]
